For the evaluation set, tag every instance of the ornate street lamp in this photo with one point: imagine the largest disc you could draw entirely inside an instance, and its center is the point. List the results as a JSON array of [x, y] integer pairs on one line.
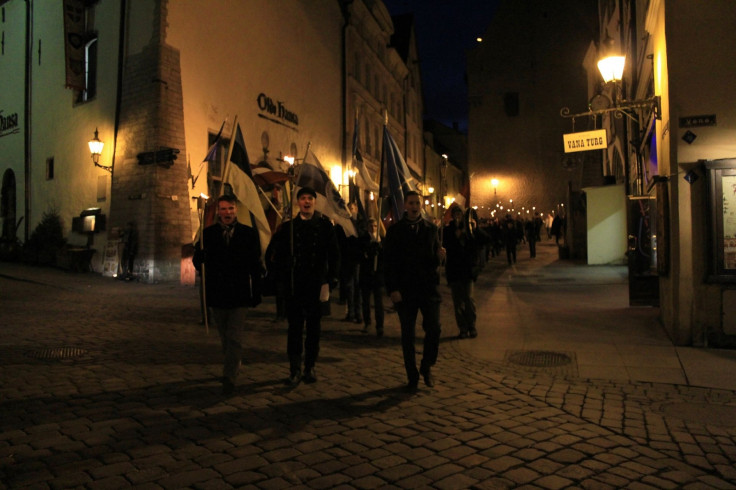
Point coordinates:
[[95, 148]]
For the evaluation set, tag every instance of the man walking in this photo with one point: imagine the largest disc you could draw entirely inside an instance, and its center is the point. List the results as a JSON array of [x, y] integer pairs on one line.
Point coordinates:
[[461, 240], [412, 256], [307, 256], [232, 278]]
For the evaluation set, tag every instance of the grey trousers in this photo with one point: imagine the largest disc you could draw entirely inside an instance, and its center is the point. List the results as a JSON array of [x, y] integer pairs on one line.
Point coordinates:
[[230, 323]]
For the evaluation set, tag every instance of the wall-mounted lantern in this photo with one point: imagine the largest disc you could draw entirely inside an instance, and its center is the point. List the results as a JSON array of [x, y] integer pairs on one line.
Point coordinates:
[[95, 148]]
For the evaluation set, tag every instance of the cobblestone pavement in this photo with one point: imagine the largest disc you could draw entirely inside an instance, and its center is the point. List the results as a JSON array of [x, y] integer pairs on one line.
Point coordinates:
[[108, 384]]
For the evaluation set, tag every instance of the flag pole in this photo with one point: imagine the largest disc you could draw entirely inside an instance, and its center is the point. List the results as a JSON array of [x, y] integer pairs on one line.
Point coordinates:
[[380, 178], [201, 202], [226, 169]]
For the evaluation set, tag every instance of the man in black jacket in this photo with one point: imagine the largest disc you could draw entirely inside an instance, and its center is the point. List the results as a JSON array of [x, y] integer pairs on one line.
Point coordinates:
[[307, 257], [231, 253], [463, 242], [413, 255]]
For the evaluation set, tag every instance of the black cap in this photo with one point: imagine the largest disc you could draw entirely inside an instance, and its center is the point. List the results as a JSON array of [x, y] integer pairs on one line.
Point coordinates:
[[306, 190]]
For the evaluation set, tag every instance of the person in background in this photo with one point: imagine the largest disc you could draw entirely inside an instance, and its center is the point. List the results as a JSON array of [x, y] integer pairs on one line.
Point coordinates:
[[413, 254], [371, 278], [231, 254], [464, 247]]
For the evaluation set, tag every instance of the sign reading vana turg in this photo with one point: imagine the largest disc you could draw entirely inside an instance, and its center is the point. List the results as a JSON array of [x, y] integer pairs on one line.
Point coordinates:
[[587, 140]]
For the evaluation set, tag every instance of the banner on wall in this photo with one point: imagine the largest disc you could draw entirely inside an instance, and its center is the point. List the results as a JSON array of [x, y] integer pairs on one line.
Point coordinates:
[[74, 40]]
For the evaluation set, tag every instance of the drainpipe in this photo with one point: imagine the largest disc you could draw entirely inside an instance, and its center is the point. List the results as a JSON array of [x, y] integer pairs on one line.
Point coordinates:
[[119, 91], [27, 119]]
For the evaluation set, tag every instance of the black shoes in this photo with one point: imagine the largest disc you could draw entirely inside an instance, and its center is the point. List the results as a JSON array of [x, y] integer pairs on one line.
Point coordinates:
[[412, 386], [473, 333], [427, 375], [294, 378], [228, 387], [310, 376]]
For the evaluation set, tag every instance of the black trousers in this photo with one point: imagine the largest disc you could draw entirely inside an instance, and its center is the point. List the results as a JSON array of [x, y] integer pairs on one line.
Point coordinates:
[[301, 314], [408, 311]]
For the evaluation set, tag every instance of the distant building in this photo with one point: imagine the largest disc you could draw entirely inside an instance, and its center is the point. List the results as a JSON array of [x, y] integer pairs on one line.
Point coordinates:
[[528, 65], [155, 80]]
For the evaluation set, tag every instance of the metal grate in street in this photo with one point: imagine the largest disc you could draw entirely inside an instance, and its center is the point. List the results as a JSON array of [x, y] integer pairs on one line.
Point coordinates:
[[539, 358], [54, 353]]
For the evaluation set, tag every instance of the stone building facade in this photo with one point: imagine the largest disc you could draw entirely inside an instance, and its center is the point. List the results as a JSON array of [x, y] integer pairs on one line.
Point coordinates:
[[160, 80]]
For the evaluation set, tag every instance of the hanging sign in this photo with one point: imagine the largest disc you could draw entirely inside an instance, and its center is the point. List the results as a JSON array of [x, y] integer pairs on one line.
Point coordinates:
[[587, 140]]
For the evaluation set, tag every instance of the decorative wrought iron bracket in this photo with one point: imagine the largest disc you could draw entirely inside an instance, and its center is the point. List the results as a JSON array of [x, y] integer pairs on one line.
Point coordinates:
[[622, 108]]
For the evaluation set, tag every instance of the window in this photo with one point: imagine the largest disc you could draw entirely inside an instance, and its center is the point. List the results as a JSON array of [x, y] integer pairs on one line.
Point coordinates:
[[90, 70], [89, 36], [50, 168], [722, 203]]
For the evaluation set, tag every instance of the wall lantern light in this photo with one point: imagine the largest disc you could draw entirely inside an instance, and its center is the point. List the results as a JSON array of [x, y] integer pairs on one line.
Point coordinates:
[[611, 67], [95, 148]]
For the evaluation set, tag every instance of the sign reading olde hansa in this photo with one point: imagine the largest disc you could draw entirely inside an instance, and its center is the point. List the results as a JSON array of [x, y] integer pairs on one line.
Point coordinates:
[[587, 140]]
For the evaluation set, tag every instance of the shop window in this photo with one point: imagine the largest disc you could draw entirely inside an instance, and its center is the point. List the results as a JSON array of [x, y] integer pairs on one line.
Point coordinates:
[[721, 176]]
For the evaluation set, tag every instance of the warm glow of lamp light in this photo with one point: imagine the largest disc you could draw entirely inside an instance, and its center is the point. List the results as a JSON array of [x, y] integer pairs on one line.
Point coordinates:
[[336, 175], [494, 183], [95, 147], [431, 189], [289, 159], [612, 68]]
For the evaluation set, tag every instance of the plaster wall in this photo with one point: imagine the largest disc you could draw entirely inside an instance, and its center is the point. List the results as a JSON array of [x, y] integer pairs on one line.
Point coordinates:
[[290, 55], [695, 81]]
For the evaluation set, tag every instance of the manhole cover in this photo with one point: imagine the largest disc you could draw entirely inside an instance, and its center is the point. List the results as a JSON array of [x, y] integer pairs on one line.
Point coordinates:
[[539, 358], [57, 353]]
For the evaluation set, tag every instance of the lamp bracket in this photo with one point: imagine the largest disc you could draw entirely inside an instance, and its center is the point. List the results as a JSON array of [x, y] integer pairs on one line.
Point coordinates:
[[622, 108], [106, 167]]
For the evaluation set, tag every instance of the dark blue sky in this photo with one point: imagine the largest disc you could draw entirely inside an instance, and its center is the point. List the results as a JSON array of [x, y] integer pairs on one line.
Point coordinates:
[[445, 30]]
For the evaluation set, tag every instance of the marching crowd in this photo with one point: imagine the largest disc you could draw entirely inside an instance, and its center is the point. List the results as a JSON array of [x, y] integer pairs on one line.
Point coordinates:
[[308, 257]]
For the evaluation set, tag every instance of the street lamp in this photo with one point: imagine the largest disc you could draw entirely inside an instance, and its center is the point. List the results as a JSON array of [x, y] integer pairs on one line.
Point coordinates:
[[95, 148], [611, 67]]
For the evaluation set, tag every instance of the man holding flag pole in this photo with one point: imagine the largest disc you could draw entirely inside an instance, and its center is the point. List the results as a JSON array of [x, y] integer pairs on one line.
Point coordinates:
[[228, 256], [413, 254], [307, 259]]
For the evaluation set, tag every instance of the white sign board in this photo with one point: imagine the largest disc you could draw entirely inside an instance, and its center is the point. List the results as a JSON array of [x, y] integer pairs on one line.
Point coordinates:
[[587, 140]]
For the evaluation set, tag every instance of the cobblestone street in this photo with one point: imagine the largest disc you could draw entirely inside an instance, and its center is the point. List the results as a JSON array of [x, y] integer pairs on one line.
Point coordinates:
[[108, 384]]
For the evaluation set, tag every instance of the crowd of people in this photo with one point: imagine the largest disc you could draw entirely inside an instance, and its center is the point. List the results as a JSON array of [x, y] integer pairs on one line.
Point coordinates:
[[308, 257]]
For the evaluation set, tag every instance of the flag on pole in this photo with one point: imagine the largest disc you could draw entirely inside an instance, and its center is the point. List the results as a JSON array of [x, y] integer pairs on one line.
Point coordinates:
[[400, 180], [211, 155], [265, 176], [368, 183], [329, 202], [239, 177]]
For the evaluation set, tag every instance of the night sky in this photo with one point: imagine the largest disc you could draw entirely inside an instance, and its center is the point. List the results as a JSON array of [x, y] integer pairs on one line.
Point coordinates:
[[445, 30]]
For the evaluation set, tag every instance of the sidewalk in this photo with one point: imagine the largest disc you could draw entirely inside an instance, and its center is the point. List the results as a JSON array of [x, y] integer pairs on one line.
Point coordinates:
[[113, 384], [551, 305]]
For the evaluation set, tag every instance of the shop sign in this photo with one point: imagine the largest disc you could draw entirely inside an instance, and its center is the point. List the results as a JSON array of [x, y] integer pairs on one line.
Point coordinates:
[[587, 140], [8, 124], [696, 121], [276, 111]]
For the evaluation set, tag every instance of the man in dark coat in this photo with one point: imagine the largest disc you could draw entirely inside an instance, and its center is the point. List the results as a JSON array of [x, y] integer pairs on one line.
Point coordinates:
[[231, 254], [463, 244], [307, 257], [372, 282], [413, 255]]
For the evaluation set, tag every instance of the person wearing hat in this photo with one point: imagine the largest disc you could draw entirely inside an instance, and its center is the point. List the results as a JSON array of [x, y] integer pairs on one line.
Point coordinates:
[[307, 260]]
